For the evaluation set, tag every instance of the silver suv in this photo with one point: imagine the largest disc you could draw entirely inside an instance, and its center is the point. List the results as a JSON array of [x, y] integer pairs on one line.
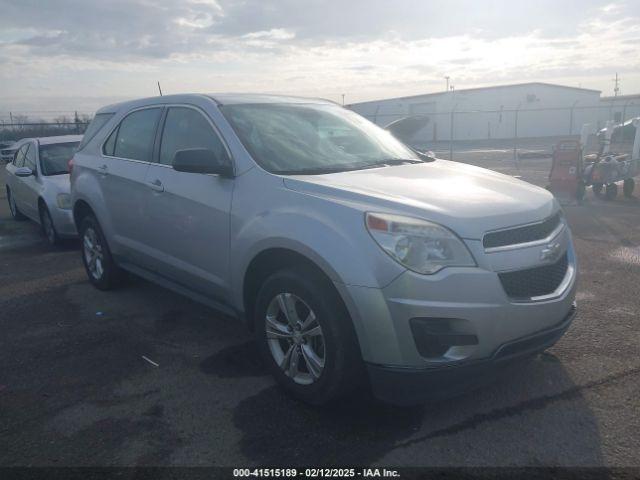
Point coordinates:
[[351, 256]]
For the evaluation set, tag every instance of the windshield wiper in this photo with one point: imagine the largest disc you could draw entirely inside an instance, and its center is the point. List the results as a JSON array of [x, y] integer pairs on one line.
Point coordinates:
[[323, 170], [349, 168], [393, 161]]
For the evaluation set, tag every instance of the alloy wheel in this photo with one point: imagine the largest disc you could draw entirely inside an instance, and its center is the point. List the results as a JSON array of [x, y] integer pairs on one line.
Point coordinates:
[[295, 338], [12, 205], [93, 254], [47, 225]]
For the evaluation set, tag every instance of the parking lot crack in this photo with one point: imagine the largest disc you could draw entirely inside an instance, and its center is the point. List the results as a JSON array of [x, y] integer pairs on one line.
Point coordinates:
[[537, 403]]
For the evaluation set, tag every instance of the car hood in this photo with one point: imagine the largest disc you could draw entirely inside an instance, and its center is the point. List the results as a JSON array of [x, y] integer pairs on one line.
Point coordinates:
[[467, 199]]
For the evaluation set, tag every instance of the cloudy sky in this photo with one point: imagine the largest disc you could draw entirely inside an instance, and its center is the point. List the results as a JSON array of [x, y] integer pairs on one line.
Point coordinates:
[[80, 54]]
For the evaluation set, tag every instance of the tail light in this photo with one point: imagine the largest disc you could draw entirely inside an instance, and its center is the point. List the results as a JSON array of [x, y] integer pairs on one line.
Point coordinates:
[[70, 165]]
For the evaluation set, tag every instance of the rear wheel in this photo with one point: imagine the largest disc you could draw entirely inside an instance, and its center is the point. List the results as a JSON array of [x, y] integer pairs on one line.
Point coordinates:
[[102, 271], [611, 191], [306, 337], [13, 208], [628, 186], [48, 228]]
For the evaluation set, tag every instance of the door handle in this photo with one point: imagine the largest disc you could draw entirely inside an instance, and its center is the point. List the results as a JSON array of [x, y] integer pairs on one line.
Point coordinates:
[[156, 185], [103, 169]]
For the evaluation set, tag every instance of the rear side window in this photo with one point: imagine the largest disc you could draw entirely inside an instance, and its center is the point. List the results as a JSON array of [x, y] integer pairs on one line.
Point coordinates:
[[186, 128], [94, 127], [134, 136]]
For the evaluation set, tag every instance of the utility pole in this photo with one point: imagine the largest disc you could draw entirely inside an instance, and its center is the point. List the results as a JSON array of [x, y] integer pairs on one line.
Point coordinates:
[[447, 79], [616, 88], [343, 99]]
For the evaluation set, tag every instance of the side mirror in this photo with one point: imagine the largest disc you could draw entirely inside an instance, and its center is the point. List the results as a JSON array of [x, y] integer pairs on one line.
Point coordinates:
[[24, 172], [202, 160]]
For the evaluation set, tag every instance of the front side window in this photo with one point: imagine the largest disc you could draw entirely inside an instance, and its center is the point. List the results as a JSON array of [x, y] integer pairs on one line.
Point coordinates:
[[30, 158], [134, 137], [18, 161], [54, 158], [313, 138], [186, 128]]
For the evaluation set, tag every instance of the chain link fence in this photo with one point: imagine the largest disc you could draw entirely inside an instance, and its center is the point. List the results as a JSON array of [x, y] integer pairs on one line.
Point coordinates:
[[18, 125], [513, 132]]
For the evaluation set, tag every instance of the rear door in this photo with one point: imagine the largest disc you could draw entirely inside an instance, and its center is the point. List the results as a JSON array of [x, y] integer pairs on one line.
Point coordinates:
[[126, 156], [187, 214]]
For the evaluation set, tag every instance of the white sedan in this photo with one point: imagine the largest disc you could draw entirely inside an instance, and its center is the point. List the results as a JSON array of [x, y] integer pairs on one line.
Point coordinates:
[[38, 184]]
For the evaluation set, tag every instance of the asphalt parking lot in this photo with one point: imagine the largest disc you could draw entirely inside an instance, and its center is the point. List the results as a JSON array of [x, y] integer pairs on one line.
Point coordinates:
[[76, 390]]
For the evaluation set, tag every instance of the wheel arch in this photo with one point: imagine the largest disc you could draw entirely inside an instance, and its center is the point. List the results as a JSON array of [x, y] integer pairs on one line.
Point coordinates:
[[267, 262], [81, 209]]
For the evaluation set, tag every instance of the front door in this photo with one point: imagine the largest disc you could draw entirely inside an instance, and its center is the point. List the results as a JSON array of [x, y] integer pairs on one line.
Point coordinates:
[[187, 214]]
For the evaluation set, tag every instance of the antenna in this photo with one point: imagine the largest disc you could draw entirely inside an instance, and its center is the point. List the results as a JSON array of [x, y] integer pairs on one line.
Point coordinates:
[[447, 77], [159, 88], [616, 88]]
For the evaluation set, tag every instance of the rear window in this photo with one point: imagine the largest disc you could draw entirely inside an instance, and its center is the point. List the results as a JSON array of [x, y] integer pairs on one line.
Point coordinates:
[[94, 127], [54, 158]]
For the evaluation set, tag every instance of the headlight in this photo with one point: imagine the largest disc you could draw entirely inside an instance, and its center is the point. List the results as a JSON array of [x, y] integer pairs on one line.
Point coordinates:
[[64, 201], [421, 246]]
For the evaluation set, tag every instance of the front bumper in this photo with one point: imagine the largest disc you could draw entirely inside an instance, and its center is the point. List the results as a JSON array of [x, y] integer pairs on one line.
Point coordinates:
[[409, 386], [63, 221], [473, 298]]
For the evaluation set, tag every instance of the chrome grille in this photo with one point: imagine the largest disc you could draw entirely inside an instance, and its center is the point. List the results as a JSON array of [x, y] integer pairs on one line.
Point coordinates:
[[534, 282], [527, 233]]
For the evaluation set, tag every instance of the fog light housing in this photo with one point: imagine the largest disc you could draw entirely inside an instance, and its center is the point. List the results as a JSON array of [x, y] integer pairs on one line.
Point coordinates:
[[435, 336]]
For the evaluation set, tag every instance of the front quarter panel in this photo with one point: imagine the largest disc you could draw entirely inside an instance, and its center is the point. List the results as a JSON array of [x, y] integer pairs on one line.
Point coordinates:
[[266, 214]]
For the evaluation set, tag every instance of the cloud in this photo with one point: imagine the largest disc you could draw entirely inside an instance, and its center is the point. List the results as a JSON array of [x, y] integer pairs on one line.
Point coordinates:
[[318, 47]]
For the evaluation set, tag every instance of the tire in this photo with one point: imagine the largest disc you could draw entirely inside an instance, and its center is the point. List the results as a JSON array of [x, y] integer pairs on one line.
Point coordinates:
[[580, 192], [598, 190], [48, 228], [322, 367], [611, 192], [628, 186], [13, 208], [98, 262]]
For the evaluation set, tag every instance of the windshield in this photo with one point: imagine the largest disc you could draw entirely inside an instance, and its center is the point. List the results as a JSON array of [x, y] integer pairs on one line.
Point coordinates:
[[310, 139], [54, 158]]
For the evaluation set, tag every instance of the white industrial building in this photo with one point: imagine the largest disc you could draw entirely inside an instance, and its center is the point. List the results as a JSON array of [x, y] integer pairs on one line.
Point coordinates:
[[526, 110]]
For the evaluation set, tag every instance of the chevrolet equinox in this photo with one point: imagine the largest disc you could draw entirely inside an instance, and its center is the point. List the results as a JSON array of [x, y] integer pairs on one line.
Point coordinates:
[[350, 255]]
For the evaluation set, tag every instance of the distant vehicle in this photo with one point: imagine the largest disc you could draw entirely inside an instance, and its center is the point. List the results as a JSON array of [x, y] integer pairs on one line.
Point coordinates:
[[351, 256], [621, 133], [7, 150], [38, 184]]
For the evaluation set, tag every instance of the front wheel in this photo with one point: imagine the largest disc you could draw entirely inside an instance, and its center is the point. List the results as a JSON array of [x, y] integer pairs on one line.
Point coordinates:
[[48, 228], [13, 208], [102, 271], [306, 336]]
